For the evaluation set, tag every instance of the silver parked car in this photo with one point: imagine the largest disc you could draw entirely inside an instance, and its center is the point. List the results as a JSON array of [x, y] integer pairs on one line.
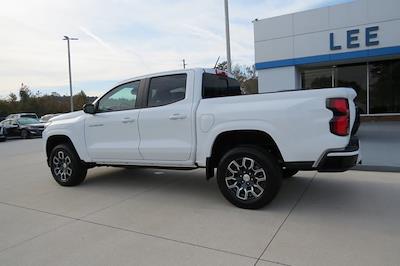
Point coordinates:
[[22, 115]]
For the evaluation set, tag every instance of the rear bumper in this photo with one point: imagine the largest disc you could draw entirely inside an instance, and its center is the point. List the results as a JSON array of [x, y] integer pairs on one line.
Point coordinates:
[[334, 160], [340, 160]]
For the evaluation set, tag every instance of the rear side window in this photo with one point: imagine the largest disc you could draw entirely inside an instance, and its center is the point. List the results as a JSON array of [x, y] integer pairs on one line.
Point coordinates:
[[219, 86], [29, 116], [166, 90]]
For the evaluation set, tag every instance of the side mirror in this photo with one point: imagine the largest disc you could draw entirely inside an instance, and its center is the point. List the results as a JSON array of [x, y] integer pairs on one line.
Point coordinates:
[[89, 108]]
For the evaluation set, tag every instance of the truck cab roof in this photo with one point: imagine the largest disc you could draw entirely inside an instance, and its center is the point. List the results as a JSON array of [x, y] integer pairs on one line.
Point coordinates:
[[172, 72]]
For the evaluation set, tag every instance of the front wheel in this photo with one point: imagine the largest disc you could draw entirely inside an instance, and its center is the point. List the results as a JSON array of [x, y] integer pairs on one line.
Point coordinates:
[[66, 166], [249, 177], [25, 134]]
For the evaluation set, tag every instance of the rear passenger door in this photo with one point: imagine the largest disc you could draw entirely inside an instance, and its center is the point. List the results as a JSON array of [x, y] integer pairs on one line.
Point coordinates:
[[166, 123]]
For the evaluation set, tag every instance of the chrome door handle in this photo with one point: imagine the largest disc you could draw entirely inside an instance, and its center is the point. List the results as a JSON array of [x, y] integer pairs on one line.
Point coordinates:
[[177, 117], [96, 125]]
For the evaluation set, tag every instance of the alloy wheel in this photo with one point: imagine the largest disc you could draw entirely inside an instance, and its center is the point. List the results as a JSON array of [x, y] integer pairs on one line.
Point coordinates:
[[245, 178], [62, 166]]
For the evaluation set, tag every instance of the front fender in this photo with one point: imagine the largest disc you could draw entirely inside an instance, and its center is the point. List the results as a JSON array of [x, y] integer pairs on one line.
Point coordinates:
[[74, 130]]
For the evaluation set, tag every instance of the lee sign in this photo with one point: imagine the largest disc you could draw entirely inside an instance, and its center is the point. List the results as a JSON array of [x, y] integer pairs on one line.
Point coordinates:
[[353, 39]]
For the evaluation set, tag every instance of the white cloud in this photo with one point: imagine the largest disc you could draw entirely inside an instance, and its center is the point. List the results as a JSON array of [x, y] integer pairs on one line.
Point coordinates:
[[122, 38], [98, 39]]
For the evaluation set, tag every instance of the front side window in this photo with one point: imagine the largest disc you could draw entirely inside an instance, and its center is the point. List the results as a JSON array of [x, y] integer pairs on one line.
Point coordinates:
[[6, 123], [220, 86], [166, 90], [121, 98]]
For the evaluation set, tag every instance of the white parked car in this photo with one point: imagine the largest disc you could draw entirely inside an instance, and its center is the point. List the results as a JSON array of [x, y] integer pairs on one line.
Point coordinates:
[[46, 118], [199, 119]]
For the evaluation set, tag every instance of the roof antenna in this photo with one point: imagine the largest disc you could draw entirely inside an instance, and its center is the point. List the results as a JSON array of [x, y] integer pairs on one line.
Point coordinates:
[[216, 63]]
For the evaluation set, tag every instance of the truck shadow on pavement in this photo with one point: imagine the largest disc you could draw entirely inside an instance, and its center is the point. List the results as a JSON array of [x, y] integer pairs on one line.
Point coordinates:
[[185, 186], [333, 193]]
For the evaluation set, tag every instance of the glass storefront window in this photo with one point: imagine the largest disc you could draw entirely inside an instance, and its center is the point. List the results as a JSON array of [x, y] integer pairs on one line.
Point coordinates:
[[316, 78], [384, 87], [354, 76]]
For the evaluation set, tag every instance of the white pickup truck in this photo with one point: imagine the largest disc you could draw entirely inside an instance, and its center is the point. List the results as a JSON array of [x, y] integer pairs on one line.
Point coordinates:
[[200, 118]]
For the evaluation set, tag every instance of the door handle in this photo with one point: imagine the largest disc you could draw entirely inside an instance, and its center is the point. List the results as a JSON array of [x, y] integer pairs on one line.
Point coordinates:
[[177, 117], [128, 120], [96, 125]]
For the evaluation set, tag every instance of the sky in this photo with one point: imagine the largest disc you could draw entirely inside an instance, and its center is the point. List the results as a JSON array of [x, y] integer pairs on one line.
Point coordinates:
[[121, 39]]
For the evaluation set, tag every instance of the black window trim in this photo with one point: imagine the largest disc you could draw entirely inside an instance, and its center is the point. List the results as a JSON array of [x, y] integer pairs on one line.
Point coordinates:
[[145, 101], [138, 104]]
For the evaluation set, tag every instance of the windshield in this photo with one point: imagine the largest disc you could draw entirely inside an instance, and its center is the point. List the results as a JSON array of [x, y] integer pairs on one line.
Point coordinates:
[[27, 121]]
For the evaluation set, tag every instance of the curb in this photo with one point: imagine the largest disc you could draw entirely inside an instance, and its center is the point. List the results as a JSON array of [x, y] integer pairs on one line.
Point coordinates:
[[377, 168]]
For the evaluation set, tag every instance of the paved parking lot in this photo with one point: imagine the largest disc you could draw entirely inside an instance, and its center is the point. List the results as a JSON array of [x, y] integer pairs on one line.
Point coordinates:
[[153, 217]]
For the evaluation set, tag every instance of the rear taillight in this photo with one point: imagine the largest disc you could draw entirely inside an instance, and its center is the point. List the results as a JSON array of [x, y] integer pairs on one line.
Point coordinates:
[[340, 123]]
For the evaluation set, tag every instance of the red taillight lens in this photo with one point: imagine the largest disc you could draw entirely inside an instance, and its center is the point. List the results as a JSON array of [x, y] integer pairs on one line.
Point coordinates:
[[339, 105], [340, 123]]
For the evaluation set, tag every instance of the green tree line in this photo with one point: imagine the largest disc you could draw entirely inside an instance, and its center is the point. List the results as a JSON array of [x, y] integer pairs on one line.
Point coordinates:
[[30, 102]]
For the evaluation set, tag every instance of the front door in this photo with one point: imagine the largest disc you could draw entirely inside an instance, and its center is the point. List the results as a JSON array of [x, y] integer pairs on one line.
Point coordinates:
[[12, 128], [112, 134]]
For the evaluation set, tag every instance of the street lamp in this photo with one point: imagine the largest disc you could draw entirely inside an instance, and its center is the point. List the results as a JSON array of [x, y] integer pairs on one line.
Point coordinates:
[[66, 38], [228, 38]]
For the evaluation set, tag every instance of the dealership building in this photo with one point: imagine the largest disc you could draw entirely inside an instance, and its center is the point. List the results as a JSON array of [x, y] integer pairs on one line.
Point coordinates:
[[356, 44]]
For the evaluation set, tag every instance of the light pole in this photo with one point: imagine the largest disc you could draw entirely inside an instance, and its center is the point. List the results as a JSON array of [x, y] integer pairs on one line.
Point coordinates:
[[228, 38], [66, 38]]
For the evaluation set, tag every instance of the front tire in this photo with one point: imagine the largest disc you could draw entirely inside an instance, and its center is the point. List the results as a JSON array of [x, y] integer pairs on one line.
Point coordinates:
[[25, 134], [66, 166], [249, 177]]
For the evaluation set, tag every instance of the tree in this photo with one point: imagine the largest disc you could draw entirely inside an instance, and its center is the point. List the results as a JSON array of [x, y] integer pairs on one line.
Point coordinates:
[[40, 104], [24, 93], [80, 99], [223, 66], [12, 98], [246, 75]]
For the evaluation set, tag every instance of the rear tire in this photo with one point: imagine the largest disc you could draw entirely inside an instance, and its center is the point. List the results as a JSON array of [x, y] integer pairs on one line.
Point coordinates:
[[66, 166], [289, 173], [248, 177]]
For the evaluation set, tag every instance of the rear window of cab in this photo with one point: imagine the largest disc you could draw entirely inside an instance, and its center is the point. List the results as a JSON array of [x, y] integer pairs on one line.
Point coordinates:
[[219, 86]]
